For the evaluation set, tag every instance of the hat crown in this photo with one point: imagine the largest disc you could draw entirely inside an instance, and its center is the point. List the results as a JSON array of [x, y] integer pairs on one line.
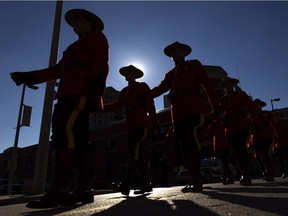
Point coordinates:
[[228, 80], [72, 14], [131, 71], [260, 102], [170, 50]]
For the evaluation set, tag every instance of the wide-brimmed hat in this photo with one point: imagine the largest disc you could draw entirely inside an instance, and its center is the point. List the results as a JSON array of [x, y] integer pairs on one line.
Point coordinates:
[[260, 102], [228, 80], [131, 71], [170, 49], [72, 15]]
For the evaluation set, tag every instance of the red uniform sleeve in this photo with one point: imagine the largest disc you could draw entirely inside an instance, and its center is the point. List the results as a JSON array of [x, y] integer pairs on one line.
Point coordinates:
[[164, 86], [206, 83], [48, 74], [109, 107], [150, 105], [99, 54]]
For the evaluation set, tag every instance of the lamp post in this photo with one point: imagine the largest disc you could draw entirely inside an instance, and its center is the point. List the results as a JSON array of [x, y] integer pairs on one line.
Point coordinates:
[[14, 151], [272, 100]]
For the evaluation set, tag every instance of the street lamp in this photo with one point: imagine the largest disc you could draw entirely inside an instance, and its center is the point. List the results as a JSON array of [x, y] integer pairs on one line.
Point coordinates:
[[275, 99], [14, 151]]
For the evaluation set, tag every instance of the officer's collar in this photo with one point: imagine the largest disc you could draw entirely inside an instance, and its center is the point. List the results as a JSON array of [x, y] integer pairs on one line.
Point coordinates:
[[132, 83], [178, 62]]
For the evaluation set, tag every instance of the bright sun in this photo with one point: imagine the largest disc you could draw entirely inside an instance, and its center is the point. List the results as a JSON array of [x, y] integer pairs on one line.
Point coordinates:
[[139, 66]]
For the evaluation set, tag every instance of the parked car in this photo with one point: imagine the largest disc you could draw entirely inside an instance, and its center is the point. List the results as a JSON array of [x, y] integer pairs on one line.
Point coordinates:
[[212, 170], [16, 187]]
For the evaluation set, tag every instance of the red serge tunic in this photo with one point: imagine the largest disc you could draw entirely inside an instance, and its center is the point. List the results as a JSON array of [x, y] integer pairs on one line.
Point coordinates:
[[263, 126], [137, 102], [82, 69], [282, 133], [239, 109], [219, 139], [185, 82]]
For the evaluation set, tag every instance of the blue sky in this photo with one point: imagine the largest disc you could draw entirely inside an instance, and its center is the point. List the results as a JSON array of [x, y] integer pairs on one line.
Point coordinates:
[[249, 39]]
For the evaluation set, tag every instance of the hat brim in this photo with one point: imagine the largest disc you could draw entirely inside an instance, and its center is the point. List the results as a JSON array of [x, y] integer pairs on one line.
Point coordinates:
[[228, 81], [131, 71], [72, 15], [170, 50], [260, 102]]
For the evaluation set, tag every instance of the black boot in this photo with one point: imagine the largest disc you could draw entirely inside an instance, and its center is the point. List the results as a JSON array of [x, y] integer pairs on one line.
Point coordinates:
[[245, 180], [80, 196], [123, 188], [59, 194], [51, 199], [84, 192], [144, 189], [285, 174]]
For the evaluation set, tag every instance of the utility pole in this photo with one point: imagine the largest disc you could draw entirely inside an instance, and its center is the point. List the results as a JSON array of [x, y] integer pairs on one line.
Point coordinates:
[[13, 160], [12, 165], [43, 146]]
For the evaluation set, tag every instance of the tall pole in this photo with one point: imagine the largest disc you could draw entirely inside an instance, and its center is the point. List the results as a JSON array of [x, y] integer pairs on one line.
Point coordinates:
[[14, 152], [43, 146]]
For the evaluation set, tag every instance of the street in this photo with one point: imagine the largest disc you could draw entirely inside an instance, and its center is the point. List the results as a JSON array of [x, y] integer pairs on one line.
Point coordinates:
[[262, 198]]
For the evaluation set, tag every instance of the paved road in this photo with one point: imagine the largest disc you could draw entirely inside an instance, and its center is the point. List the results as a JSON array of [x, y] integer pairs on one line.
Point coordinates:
[[262, 198]]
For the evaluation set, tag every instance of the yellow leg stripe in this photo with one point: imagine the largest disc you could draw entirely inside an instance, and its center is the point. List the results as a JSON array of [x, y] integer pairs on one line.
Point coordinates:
[[71, 121], [202, 120], [137, 151], [139, 143], [145, 133]]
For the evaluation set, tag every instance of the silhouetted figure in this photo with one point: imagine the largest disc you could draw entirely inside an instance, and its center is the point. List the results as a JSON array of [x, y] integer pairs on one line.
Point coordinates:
[[82, 71], [263, 133], [137, 102], [186, 82], [222, 149], [281, 144], [239, 110]]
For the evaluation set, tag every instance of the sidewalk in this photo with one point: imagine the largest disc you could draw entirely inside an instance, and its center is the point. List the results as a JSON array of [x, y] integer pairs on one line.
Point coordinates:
[[24, 198], [19, 198]]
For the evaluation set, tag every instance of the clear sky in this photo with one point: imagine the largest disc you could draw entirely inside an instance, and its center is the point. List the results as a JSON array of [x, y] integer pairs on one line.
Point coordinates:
[[248, 39]]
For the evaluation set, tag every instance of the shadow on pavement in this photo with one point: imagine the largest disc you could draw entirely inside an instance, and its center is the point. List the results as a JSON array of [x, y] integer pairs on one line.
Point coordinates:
[[141, 205], [51, 211], [253, 197]]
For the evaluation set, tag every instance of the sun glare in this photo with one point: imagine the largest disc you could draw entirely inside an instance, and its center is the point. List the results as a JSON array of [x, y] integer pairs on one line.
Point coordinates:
[[139, 66]]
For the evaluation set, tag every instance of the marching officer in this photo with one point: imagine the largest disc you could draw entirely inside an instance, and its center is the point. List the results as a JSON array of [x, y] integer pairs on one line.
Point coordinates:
[[82, 71], [222, 149], [263, 134], [281, 145], [186, 83], [240, 110], [137, 102]]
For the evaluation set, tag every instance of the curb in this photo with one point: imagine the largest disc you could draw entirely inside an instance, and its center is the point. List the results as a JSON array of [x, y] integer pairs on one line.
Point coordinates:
[[25, 198], [17, 199]]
